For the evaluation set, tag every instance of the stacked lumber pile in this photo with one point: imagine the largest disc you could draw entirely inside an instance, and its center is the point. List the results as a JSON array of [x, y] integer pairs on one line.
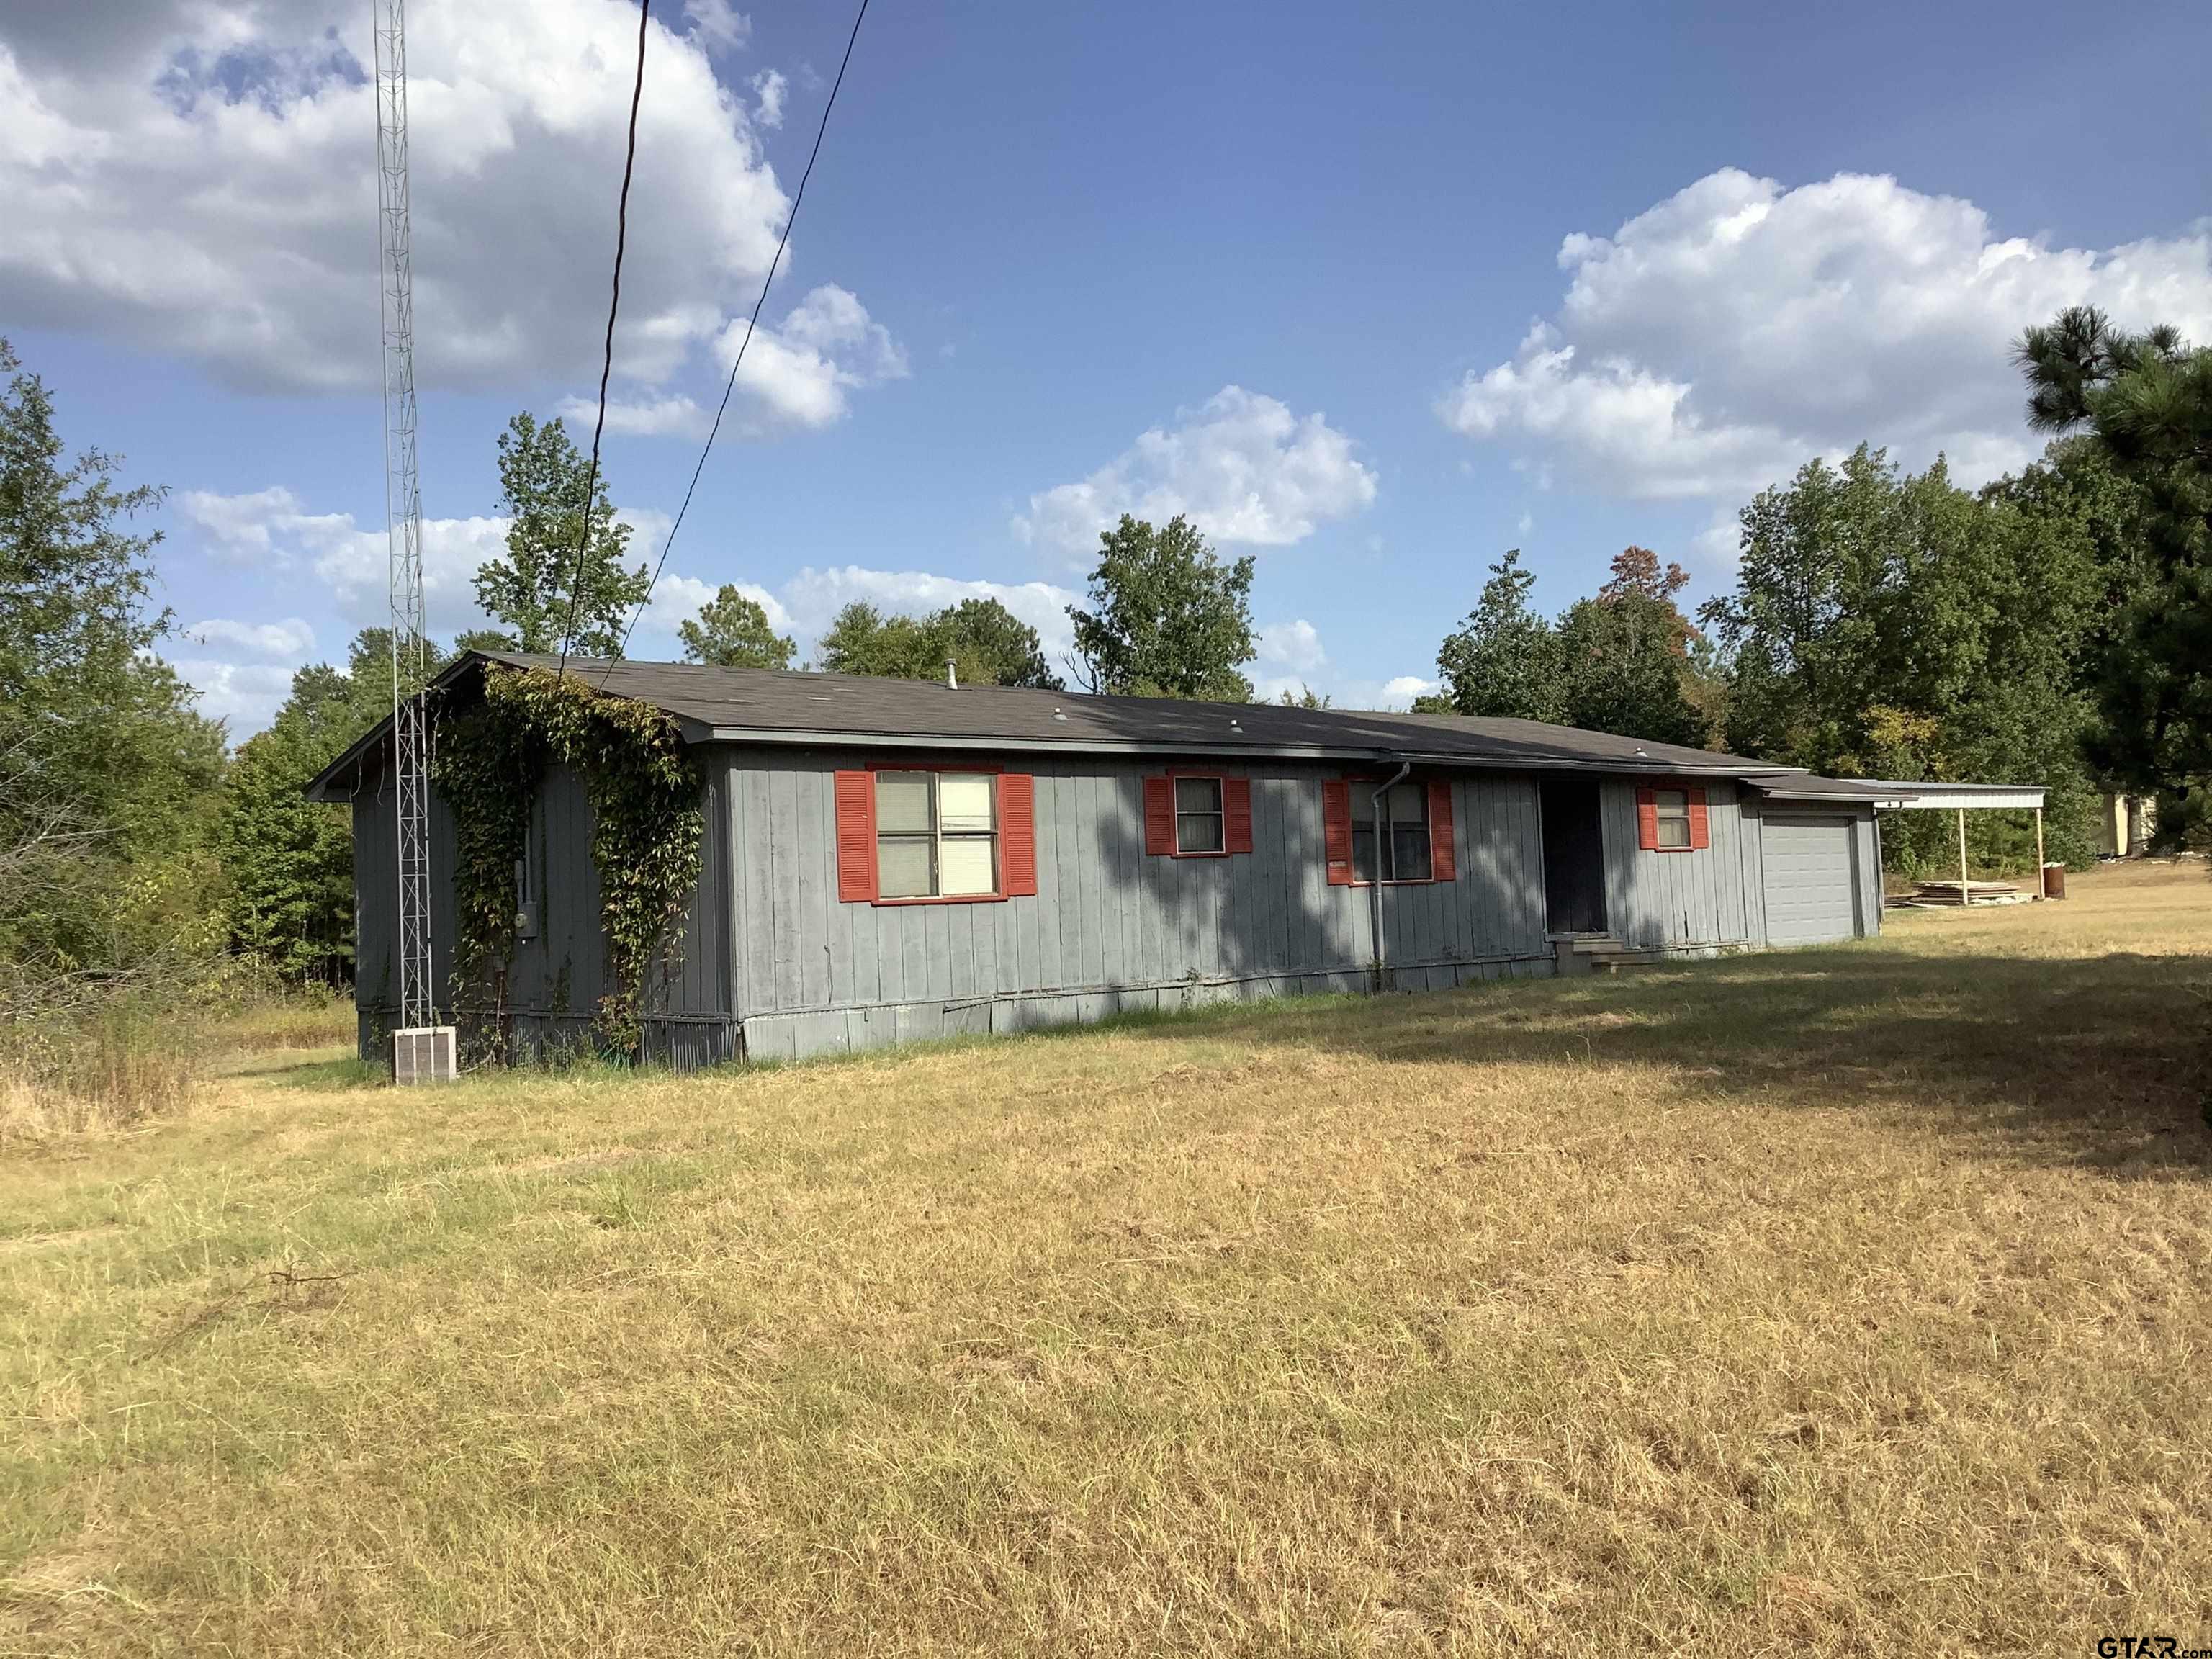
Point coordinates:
[[1937, 895]]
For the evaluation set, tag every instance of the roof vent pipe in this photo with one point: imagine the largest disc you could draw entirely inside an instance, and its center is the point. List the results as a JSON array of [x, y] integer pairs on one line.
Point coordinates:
[[952, 674]]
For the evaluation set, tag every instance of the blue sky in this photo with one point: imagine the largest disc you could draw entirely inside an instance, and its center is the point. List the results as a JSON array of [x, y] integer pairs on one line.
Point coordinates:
[[1373, 296]]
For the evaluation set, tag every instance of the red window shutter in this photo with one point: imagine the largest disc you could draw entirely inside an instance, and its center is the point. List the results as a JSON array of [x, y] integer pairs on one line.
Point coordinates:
[[1017, 835], [856, 838], [1236, 815], [1443, 865], [1700, 830], [1647, 818], [1336, 830], [1159, 817]]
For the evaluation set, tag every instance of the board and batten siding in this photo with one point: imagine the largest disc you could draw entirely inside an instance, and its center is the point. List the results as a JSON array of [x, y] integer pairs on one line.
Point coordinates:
[[1704, 899], [376, 910], [773, 964], [1714, 899], [558, 974], [1109, 928]]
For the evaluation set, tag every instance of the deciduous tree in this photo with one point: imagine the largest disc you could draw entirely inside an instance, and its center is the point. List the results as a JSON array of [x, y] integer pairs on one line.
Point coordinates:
[[542, 580], [288, 861], [1501, 661], [98, 733], [1168, 618], [1888, 623], [986, 642]]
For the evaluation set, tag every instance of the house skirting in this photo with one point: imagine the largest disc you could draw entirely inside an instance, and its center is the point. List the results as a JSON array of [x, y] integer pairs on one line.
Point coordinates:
[[683, 1043], [798, 1034]]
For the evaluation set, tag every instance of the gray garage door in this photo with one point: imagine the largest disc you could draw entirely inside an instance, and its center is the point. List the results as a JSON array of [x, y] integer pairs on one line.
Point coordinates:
[[1810, 887]]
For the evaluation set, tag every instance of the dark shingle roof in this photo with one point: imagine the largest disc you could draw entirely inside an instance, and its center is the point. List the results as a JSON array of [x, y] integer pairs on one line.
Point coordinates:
[[764, 706], [735, 702]]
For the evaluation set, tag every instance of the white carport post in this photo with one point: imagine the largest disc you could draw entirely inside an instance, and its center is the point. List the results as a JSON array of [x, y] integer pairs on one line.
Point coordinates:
[[1948, 797]]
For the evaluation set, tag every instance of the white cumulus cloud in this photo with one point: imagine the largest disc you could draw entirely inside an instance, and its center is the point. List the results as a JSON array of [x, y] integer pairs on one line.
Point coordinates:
[[194, 177], [717, 25], [1293, 645], [1242, 467], [346, 562], [795, 375], [813, 598], [768, 90], [678, 414], [243, 697], [679, 600], [288, 641], [1717, 341]]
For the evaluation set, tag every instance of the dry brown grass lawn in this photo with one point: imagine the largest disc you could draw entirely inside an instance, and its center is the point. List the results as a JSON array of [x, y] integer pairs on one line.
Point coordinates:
[[1856, 1300]]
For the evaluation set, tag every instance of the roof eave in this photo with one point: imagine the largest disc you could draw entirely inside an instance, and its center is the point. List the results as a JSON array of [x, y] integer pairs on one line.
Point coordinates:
[[838, 738], [336, 783]]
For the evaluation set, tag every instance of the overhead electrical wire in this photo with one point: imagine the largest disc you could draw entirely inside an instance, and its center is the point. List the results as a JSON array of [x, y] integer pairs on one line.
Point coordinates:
[[607, 364], [752, 323]]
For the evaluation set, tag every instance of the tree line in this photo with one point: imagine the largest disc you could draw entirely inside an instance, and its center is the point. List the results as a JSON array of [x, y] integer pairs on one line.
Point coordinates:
[[2054, 626]]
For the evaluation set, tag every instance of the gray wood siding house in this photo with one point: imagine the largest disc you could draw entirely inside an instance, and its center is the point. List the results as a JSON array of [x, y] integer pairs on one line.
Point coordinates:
[[886, 861]]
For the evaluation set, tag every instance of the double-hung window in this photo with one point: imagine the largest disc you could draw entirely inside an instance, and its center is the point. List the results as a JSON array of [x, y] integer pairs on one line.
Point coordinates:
[[1396, 847], [937, 834], [1199, 823], [1671, 813]]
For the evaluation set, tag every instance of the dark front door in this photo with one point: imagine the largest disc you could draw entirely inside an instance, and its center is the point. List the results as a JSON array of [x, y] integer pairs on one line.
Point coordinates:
[[1574, 858]]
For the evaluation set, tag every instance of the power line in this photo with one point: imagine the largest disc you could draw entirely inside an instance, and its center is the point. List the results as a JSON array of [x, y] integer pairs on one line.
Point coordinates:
[[607, 366], [752, 323]]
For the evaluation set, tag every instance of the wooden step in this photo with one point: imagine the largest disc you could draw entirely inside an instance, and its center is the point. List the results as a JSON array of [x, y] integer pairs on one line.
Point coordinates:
[[1614, 962], [1601, 953]]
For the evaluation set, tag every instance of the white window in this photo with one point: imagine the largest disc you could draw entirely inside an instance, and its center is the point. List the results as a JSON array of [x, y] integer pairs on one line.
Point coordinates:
[[1672, 809], [1198, 826], [937, 834], [1403, 845]]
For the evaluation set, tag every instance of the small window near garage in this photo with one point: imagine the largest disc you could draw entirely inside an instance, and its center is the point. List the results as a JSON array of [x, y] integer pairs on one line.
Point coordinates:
[[936, 835], [1671, 819], [1396, 846], [1198, 819]]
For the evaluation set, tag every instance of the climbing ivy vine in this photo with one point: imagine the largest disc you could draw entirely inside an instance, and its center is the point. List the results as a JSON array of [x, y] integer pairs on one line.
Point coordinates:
[[644, 786]]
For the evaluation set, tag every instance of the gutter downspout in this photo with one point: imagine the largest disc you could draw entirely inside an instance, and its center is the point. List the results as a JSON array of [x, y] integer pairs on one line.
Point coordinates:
[[1374, 887]]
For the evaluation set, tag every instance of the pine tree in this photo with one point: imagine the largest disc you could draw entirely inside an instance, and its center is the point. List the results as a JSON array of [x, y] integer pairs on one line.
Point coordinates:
[[2146, 402], [732, 631]]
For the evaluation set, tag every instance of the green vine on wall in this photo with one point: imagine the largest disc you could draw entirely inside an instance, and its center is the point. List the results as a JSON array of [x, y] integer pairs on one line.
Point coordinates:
[[644, 786]]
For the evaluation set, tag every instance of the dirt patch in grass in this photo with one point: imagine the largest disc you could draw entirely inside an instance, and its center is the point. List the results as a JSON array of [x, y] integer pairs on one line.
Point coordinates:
[[1841, 1301]]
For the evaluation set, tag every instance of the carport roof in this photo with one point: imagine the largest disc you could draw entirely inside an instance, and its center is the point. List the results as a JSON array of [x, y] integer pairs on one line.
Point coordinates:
[[1878, 792], [1945, 796], [1834, 791]]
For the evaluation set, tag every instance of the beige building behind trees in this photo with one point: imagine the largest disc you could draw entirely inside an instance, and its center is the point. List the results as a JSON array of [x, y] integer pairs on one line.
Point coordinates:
[[2125, 828]]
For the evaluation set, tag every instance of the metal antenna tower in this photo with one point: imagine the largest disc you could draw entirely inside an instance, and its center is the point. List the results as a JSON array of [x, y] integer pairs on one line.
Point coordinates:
[[422, 1051]]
